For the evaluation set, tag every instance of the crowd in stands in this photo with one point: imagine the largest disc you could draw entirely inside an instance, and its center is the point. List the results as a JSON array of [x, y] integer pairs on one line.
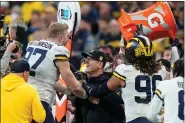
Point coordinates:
[[99, 23]]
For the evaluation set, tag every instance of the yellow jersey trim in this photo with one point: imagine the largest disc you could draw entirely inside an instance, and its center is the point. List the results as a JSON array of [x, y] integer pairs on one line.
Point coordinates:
[[119, 76]]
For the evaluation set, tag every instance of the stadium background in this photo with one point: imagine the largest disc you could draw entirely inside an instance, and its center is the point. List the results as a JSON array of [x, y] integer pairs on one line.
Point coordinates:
[[98, 24]]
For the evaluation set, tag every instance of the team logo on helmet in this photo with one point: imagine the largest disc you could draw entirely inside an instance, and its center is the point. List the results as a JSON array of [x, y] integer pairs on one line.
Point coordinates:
[[139, 47], [145, 46]]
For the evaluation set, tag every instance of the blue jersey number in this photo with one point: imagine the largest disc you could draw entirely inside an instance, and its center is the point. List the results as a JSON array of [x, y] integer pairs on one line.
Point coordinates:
[[32, 51], [147, 89], [181, 105]]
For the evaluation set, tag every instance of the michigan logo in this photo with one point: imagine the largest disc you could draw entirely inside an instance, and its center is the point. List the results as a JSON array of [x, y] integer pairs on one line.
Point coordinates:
[[101, 58]]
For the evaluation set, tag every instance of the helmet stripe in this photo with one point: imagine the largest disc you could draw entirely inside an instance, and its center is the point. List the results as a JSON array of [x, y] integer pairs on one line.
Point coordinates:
[[141, 44], [147, 43]]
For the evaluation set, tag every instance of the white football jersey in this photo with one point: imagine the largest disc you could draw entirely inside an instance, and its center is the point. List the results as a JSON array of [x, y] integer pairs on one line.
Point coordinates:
[[172, 93], [138, 91], [41, 56]]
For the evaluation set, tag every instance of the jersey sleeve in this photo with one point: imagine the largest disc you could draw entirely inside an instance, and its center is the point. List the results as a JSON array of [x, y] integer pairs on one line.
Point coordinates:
[[162, 72], [160, 91], [61, 53], [154, 110], [120, 72]]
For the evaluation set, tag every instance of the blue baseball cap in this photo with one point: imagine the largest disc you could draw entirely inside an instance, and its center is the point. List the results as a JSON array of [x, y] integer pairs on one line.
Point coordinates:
[[97, 55]]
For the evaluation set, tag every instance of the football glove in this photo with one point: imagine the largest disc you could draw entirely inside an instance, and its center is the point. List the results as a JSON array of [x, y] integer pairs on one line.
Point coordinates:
[[81, 76]]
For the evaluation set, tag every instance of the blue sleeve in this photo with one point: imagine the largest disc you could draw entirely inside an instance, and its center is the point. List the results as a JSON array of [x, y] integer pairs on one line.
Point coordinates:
[[94, 91]]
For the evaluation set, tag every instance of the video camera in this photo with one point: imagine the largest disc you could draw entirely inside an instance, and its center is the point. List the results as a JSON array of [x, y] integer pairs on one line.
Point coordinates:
[[20, 35], [1, 21]]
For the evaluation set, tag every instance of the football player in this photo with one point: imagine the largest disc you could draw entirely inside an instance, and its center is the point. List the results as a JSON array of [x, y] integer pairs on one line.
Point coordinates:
[[48, 58], [171, 93], [138, 79]]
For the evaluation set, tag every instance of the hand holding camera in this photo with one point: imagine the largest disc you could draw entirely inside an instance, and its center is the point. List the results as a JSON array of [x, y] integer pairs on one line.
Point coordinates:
[[11, 46]]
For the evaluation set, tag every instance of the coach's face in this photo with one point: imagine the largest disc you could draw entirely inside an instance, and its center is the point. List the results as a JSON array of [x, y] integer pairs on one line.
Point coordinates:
[[92, 65]]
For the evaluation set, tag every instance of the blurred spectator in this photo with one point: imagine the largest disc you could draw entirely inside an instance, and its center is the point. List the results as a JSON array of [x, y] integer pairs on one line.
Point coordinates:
[[14, 15], [115, 9], [28, 7], [166, 63], [167, 53], [37, 28], [105, 10], [103, 24], [119, 59], [38, 35], [110, 51], [85, 10], [180, 18], [79, 41], [146, 4], [93, 37], [114, 28], [123, 44], [103, 28], [99, 24], [50, 14], [34, 21], [180, 35], [4, 7], [12, 31], [113, 36]]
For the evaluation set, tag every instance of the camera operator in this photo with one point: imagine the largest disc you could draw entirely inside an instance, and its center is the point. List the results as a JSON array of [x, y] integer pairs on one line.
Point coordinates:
[[6, 58], [107, 108], [18, 36], [13, 48]]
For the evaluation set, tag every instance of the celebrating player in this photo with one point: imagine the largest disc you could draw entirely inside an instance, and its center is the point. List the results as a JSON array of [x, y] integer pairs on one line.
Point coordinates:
[[47, 59], [171, 93]]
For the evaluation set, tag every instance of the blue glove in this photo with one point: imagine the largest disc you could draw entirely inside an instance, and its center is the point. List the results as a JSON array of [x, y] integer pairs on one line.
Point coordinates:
[[81, 76]]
